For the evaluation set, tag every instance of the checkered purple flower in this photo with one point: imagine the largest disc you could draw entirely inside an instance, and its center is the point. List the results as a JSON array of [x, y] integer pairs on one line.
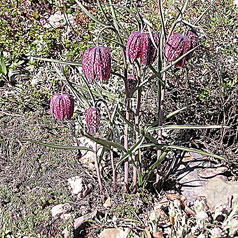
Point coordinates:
[[92, 117], [140, 45], [97, 63], [179, 45], [61, 106]]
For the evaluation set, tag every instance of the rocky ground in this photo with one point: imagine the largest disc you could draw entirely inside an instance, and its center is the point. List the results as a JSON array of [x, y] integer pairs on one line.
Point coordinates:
[[49, 192]]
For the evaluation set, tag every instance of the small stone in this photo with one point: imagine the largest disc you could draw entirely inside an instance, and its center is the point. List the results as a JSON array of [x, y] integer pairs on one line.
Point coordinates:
[[88, 160], [107, 203], [66, 216], [194, 174], [58, 20], [114, 233], [218, 192], [60, 210], [76, 184]]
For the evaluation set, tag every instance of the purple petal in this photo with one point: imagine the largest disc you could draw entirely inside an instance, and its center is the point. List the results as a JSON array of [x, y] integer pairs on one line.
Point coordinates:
[[128, 46], [106, 56], [52, 102], [145, 45], [88, 64], [58, 110], [92, 118], [103, 63], [61, 106], [85, 61], [68, 105], [98, 66], [174, 46], [133, 46], [186, 47]]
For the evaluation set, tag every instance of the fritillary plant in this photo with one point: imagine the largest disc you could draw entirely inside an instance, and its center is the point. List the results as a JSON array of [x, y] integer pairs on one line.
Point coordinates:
[[128, 59]]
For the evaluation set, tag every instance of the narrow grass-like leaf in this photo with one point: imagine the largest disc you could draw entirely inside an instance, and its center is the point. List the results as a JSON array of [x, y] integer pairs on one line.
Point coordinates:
[[156, 123], [178, 111], [180, 127], [96, 93], [131, 150], [200, 17], [156, 75], [114, 113], [140, 17], [164, 146], [195, 151], [108, 144], [184, 7], [103, 12], [89, 14], [139, 173], [76, 93], [162, 19], [153, 167], [89, 90], [128, 10], [56, 61], [114, 41], [114, 16], [3, 67], [134, 128], [177, 147], [57, 146]]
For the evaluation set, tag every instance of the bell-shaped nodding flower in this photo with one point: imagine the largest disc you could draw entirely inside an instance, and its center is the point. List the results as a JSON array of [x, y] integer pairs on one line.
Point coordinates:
[[140, 45], [61, 106], [96, 62], [179, 45], [92, 118]]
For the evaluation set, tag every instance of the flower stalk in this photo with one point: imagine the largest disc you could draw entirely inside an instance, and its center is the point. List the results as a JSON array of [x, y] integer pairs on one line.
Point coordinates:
[[97, 168]]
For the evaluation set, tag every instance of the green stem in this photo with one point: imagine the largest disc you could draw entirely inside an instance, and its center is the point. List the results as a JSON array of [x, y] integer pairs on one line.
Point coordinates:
[[161, 86], [126, 164], [97, 168], [137, 125], [111, 152]]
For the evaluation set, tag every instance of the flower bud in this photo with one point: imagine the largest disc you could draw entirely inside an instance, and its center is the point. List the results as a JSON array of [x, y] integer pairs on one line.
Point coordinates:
[[92, 117]]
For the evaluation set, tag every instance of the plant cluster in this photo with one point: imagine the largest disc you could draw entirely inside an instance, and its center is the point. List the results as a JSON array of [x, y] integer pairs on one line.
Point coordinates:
[[143, 47]]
